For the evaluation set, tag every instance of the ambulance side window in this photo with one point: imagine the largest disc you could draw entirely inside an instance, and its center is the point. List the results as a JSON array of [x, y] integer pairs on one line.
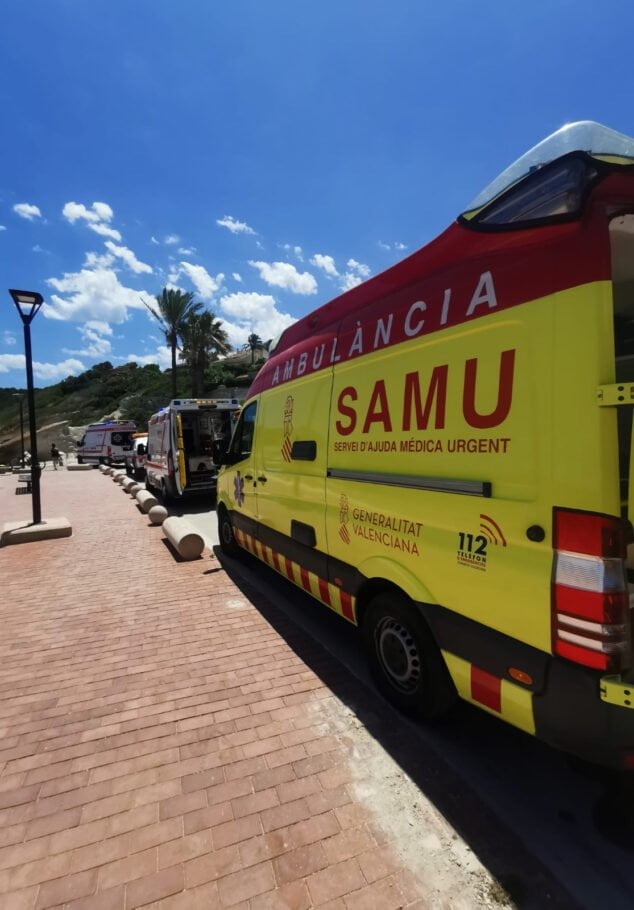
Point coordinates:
[[242, 441]]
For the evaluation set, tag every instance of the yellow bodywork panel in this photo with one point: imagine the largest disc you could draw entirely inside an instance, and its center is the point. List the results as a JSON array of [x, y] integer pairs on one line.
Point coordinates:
[[616, 692], [516, 701], [498, 410]]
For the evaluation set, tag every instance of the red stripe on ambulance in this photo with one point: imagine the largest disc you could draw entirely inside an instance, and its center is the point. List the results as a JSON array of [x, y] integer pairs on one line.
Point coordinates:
[[486, 688]]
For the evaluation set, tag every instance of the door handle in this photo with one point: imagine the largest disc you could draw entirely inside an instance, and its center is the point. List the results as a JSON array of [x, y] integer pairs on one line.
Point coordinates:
[[262, 479], [248, 476]]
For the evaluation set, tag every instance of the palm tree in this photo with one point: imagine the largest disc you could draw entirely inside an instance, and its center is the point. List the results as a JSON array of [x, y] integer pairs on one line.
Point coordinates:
[[204, 340], [253, 343], [173, 309]]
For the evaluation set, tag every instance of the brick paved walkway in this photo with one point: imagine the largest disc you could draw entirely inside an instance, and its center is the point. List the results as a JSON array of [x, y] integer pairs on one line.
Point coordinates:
[[163, 745]]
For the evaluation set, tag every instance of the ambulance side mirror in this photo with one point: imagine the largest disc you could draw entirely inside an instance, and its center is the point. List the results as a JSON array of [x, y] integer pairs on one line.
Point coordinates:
[[228, 458], [140, 449]]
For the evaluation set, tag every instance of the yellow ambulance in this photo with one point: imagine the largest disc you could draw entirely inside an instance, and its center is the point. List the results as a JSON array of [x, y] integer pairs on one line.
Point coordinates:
[[442, 455]]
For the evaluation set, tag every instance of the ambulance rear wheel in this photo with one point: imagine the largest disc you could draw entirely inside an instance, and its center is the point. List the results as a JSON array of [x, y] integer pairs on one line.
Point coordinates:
[[226, 536], [405, 661]]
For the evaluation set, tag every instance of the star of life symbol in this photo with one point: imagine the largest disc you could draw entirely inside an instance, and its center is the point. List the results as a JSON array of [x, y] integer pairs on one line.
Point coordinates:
[[238, 488], [288, 428], [344, 516]]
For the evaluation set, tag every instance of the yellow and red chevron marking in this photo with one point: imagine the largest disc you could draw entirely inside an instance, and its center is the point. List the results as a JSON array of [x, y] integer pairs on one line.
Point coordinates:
[[322, 590], [286, 448]]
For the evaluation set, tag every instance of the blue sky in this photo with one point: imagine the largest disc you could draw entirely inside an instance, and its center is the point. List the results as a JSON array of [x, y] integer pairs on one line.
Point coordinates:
[[265, 155]]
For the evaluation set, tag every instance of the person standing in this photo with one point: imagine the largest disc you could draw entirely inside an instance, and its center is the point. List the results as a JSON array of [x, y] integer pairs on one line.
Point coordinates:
[[55, 457]]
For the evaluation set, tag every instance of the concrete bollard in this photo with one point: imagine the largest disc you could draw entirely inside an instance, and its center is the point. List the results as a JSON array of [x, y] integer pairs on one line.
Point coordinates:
[[120, 476], [109, 470], [157, 515], [127, 483], [146, 500], [134, 489], [183, 537], [79, 467], [103, 468]]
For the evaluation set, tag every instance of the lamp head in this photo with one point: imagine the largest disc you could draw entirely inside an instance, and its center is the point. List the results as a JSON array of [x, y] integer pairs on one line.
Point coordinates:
[[27, 303]]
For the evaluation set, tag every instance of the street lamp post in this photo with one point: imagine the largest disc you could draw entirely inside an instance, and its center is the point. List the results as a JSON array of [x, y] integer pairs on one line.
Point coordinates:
[[27, 304], [20, 397]]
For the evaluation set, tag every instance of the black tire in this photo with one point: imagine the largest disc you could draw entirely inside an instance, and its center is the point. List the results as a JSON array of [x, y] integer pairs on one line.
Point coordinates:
[[404, 659], [226, 537], [169, 492]]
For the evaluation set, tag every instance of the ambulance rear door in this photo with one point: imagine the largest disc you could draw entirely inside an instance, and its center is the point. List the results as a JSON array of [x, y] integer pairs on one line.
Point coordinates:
[[176, 456]]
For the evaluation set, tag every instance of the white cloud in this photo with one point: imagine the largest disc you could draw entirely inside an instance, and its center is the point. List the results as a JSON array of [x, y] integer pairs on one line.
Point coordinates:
[[391, 246], [162, 356], [285, 275], [41, 370], [99, 211], [359, 267], [103, 210], [97, 261], [96, 217], [26, 210], [2, 227], [154, 240], [95, 345], [98, 326], [205, 284], [327, 263], [236, 227], [39, 249], [244, 313], [128, 257], [236, 277], [73, 211], [92, 294], [358, 272], [186, 250], [11, 362], [171, 239], [60, 370], [296, 250], [8, 337], [105, 231], [349, 281]]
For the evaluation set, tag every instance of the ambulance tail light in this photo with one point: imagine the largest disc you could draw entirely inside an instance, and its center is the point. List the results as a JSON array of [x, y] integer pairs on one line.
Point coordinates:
[[590, 600]]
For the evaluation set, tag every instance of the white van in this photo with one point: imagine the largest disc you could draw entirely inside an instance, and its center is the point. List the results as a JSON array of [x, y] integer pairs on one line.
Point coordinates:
[[106, 443], [186, 441], [135, 456]]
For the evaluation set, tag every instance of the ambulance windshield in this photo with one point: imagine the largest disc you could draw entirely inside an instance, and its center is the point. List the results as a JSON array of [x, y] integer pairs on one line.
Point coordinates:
[[585, 136]]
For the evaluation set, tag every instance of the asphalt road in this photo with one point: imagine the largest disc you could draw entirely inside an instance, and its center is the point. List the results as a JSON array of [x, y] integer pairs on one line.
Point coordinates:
[[527, 810]]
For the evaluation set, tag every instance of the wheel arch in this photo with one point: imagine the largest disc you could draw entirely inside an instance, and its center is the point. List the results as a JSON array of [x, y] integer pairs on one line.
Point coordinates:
[[384, 575]]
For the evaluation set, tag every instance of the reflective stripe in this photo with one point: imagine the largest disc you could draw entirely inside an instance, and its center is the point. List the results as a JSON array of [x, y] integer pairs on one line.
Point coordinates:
[[330, 595]]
